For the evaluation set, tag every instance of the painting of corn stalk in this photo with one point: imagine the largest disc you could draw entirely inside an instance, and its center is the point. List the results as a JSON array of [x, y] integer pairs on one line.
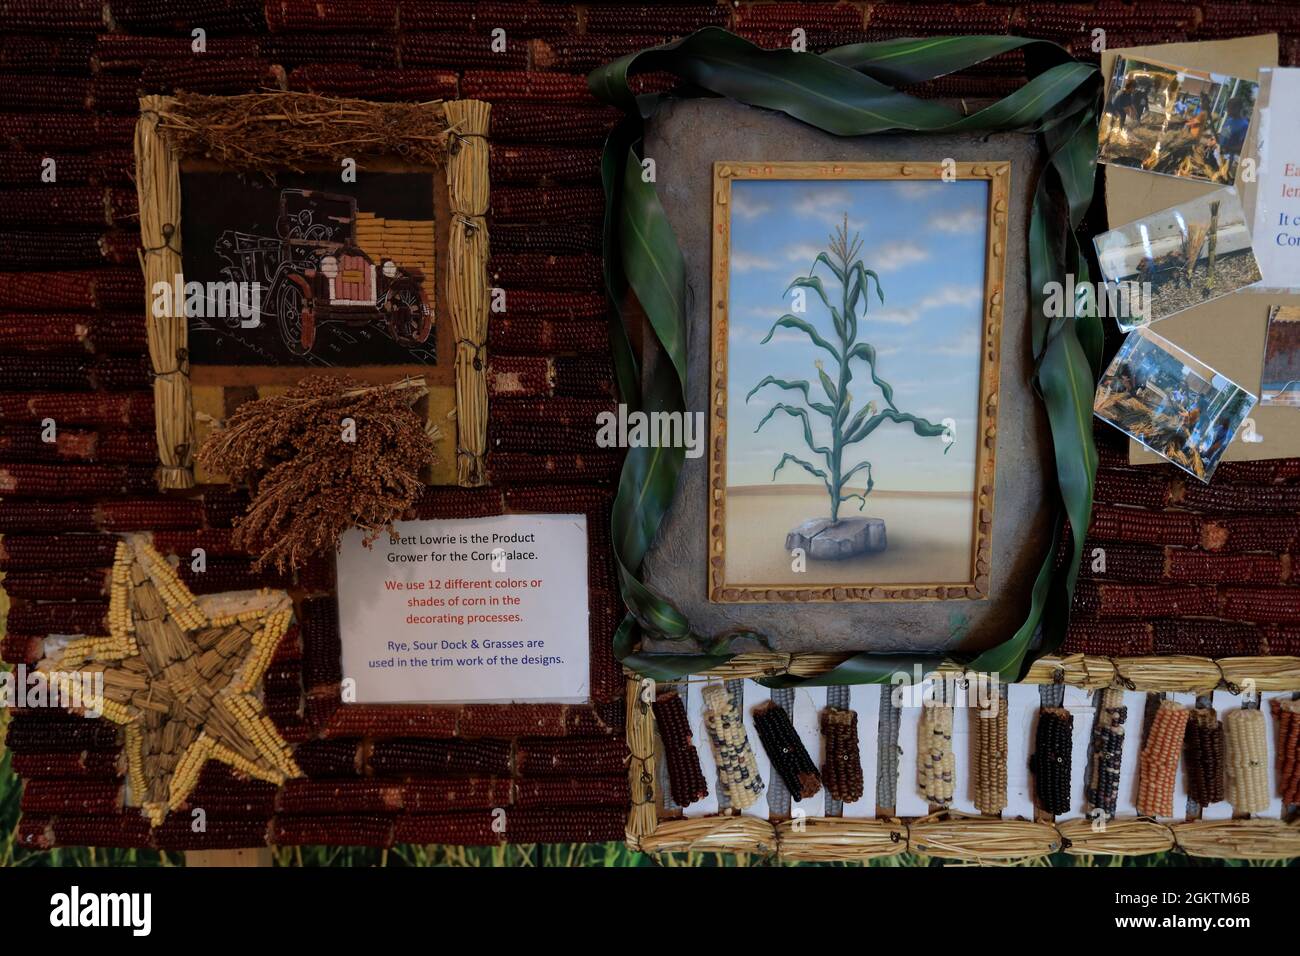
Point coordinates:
[[847, 380], [832, 537]]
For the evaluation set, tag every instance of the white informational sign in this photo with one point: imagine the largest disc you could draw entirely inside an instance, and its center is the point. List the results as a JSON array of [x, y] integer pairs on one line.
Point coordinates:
[[483, 610], [1277, 203]]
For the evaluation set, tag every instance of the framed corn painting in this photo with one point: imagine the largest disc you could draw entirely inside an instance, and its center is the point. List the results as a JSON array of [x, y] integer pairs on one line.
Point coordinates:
[[855, 374]]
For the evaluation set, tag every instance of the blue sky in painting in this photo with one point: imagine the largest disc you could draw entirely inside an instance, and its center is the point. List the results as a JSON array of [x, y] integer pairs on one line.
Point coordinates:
[[926, 240]]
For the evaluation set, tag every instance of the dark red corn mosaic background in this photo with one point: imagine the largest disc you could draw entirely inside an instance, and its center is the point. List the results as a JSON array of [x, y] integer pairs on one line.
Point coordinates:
[[1189, 569]]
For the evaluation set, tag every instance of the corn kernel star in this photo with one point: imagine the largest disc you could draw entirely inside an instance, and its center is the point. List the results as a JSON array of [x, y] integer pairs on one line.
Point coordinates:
[[181, 675]]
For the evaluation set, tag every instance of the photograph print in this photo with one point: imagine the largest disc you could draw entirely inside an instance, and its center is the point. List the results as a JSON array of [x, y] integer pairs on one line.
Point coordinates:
[[1179, 257], [852, 344], [1280, 379], [1179, 122], [1171, 402]]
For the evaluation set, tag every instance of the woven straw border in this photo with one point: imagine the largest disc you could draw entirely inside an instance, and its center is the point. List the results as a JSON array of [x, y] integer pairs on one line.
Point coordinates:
[[952, 835]]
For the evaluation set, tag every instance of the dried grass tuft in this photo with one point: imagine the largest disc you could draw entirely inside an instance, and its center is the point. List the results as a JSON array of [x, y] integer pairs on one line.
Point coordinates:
[[272, 131]]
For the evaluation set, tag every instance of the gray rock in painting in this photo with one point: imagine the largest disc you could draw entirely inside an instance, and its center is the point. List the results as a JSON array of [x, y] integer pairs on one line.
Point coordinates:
[[822, 540]]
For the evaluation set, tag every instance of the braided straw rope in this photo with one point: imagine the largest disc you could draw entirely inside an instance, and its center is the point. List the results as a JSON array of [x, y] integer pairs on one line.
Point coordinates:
[[1246, 760]]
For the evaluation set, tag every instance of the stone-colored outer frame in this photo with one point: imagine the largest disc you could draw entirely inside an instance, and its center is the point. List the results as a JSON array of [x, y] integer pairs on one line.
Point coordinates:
[[158, 170], [998, 175]]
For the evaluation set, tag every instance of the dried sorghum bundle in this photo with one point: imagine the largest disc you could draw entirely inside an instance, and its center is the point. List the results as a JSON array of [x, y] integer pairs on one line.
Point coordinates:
[[309, 485], [1287, 715], [1158, 764], [538, 204], [737, 768], [842, 766], [548, 123], [1106, 751], [786, 751], [1204, 753], [1052, 758], [1246, 760], [685, 778]]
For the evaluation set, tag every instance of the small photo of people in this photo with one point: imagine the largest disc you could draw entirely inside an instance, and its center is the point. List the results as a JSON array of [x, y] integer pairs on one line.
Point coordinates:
[[1177, 406], [1280, 379], [1175, 121]]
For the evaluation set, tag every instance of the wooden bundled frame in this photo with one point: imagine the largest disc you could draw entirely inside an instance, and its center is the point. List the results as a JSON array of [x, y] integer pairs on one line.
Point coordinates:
[[280, 130], [950, 834]]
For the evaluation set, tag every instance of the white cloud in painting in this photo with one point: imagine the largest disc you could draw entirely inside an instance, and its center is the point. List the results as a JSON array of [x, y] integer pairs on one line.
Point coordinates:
[[966, 344], [828, 205], [897, 256], [746, 206], [948, 295], [748, 262], [967, 219], [914, 190]]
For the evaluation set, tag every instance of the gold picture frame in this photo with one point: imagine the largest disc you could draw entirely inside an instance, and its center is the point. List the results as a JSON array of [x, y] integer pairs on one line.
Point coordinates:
[[998, 176], [265, 132]]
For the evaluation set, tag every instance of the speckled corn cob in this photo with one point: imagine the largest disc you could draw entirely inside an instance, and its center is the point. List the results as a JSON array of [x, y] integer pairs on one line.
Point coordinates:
[[737, 768]]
